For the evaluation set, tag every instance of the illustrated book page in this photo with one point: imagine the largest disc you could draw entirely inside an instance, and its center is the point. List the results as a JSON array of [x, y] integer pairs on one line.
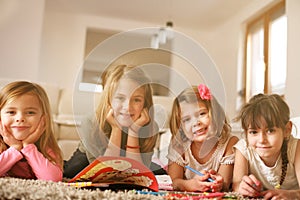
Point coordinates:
[[116, 173]]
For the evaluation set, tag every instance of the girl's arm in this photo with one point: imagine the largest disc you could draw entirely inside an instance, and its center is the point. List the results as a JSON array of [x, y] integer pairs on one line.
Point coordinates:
[[114, 144], [176, 171], [240, 169], [41, 166], [242, 183], [287, 194], [226, 170], [8, 159], [198, 183], [133, 144]]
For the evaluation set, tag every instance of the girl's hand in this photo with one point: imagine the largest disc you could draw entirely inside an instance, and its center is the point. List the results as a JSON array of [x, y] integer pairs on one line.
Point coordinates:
[[217, 185], [9, 139], [32, 138], [200, 183], [280, 194], [111, 119], [141, 121], [250, 186]]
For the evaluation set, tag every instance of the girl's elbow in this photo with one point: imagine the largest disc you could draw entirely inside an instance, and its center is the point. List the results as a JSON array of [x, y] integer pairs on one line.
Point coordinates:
[[55, 176], [235, 187]]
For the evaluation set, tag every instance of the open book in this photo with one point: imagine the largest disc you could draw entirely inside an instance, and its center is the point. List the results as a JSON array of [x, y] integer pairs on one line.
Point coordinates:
[[116, 173]]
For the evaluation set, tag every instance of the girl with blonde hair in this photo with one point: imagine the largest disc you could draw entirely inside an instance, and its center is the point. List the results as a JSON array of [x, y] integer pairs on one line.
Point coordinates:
[[123, 124], [29, 148]]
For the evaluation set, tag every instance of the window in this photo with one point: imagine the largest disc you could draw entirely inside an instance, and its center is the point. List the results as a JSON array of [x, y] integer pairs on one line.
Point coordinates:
[[266, 51]]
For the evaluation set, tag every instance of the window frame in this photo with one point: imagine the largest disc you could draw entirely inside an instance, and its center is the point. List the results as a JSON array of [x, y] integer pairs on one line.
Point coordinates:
[[265, 17]]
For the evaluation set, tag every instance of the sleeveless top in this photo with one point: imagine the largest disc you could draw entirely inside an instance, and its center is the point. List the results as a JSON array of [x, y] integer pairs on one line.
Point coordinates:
[[270, 176], [214, 162]]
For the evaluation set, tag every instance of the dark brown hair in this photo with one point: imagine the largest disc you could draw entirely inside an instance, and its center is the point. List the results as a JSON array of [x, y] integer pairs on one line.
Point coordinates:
[[272, 110]]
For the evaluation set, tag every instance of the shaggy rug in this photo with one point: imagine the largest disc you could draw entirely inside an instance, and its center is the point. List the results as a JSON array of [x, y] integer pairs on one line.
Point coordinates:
[[22, 189], [13, 188]]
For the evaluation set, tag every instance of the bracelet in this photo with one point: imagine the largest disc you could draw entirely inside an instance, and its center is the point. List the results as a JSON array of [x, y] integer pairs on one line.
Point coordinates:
[[132, 147]]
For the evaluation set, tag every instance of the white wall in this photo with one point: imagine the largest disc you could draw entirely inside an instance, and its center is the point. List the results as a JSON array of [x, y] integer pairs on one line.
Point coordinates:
[[62, 49], [293, 58], [20, 34], [62, 52], [52, 50]]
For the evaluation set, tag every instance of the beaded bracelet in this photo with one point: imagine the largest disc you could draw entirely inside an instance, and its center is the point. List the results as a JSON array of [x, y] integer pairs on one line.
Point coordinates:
[[132, 147]]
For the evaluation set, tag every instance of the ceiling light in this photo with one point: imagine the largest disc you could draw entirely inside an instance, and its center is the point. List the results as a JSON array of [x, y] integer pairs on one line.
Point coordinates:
[[162, 35], [169, 30], [154, 41]]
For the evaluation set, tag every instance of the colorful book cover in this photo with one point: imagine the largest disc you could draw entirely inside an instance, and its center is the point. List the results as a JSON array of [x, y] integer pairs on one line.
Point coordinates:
[[116, 173]]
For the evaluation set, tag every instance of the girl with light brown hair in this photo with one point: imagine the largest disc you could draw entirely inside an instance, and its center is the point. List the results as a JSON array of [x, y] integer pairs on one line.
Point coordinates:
[[201, 141], [29, 148]]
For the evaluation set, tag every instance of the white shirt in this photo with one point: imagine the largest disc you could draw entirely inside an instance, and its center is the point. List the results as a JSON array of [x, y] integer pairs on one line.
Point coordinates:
[[214, 162], [270, 176]]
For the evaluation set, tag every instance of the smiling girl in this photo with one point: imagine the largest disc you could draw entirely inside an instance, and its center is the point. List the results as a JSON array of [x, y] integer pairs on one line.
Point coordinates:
[[123, 124], [28, 146], [267, 161], [125, 108], [201, 139]]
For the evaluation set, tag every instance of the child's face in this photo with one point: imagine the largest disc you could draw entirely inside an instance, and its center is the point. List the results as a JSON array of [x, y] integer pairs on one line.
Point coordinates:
[[195, 120], [266, 142], [128, 102], [21, 116]]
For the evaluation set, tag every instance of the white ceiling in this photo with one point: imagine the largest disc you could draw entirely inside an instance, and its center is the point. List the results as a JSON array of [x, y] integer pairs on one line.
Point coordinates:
[[184, 13]]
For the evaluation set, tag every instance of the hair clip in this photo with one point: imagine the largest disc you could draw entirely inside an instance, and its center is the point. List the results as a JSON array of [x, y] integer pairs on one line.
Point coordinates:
[[204, 92]]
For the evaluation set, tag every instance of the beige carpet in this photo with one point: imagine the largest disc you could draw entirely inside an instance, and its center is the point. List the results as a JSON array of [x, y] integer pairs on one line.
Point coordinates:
[[20, 189], [13, 188]]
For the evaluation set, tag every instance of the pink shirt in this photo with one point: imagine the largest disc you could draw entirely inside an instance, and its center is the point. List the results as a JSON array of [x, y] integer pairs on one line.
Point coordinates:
[[28, 163]]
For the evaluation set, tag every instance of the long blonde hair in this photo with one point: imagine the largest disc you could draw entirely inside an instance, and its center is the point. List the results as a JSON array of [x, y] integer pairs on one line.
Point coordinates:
[[111, 83], [47, 140], [218, 119]]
